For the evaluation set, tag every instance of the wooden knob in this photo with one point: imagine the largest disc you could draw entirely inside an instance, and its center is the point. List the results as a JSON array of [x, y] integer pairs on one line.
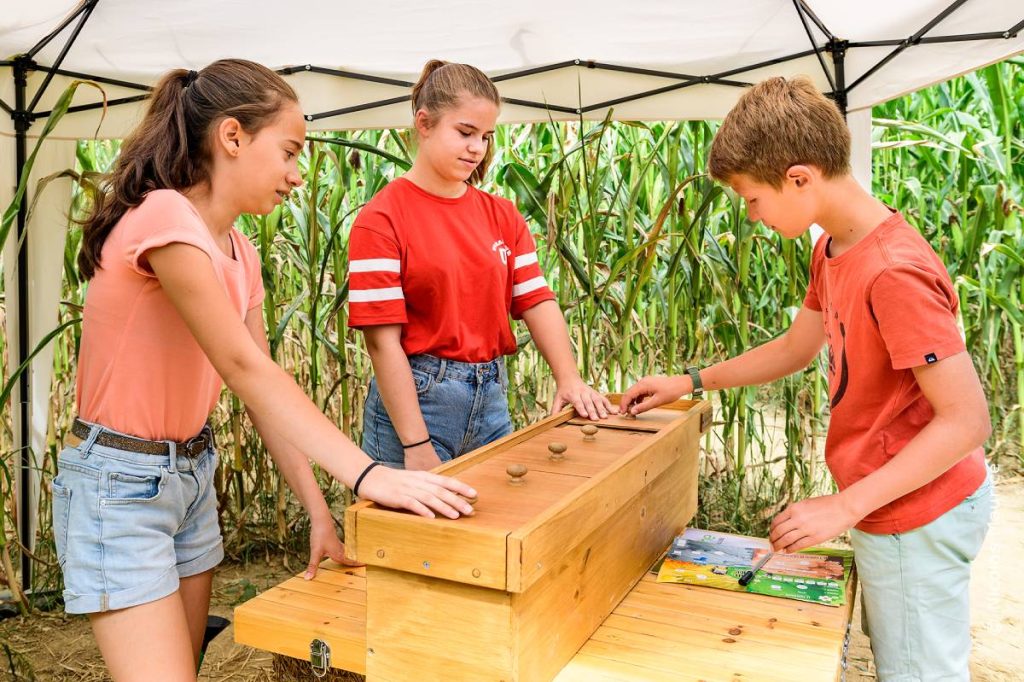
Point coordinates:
[[516, 472], [557, 451], [589, 432], [472, 500]]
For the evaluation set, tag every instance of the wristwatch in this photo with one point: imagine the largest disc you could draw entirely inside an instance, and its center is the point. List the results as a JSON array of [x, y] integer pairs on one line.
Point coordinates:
[[698, 387]]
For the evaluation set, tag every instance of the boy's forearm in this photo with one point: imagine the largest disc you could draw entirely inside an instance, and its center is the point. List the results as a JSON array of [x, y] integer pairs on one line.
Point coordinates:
[[959, 425], [936, 448], [551, 335], [761, 365]]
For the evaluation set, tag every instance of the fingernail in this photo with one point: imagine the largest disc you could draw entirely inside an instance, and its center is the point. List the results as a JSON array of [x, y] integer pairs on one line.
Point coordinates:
[[308, 576]]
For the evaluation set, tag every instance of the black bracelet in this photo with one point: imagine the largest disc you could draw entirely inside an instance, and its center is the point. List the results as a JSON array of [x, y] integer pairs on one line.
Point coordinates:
[[413, 445], [355, 488]]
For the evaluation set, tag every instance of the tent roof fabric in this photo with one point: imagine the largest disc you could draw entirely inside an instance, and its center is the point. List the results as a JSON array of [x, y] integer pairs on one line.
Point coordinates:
[[608, 52]]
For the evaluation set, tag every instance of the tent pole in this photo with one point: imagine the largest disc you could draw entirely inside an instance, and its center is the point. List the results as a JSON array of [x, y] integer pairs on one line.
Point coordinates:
[[800, 7], [63, 53], [838, 49], [87, 7], [22, 117], [22, 121], [859, 123], [908, 42]]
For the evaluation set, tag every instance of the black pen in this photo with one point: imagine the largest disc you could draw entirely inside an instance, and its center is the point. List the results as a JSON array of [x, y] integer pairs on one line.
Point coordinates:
[[749, 575]]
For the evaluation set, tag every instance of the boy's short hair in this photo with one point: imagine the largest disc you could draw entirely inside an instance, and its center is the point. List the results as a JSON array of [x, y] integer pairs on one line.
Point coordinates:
[[776, 124]]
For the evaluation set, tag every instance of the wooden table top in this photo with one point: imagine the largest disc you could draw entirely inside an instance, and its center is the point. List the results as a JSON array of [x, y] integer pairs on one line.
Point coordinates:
[[659, 632], [667, 631]]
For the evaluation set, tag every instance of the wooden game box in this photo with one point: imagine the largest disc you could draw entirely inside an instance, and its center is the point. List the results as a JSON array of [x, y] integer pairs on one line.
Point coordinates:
[[512, 592]]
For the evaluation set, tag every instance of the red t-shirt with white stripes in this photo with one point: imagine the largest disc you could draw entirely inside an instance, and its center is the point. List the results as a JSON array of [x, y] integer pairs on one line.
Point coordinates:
[[451, 271]]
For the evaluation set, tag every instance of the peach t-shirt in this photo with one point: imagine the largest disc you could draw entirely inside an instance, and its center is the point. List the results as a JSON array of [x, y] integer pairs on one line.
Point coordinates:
[[140, 370]]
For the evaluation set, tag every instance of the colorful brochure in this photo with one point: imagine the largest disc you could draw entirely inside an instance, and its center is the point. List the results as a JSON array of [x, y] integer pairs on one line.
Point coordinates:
[[712, 559]]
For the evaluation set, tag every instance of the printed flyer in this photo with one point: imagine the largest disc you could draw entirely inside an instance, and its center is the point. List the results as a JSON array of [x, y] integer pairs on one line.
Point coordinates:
[[719, 560]]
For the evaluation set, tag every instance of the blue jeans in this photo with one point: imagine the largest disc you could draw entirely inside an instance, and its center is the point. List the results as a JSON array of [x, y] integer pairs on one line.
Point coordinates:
[[914, 593], [464, 404], [129, 525]]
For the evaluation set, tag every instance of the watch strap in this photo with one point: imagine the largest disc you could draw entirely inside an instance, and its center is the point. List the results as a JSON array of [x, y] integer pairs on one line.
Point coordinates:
[[698, 387]]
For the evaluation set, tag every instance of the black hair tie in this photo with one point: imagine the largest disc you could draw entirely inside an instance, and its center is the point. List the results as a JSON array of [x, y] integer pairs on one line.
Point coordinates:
[[355, 488], [191, 77]]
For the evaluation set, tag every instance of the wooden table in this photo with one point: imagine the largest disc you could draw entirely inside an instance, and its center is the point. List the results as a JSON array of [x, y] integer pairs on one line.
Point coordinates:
[[547, 579], [660, 631], [666, 631]]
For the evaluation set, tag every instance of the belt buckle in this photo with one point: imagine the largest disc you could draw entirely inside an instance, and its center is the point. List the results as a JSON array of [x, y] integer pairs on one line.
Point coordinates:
[[195, 445]]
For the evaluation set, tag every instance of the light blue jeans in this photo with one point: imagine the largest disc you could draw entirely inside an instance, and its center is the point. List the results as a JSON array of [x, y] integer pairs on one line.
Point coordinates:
[[129, 525], [915, 596], [464, 404]]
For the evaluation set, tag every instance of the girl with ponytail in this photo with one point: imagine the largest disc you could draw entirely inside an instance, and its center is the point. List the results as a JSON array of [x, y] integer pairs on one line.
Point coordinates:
[[173, 312], [436, 269]]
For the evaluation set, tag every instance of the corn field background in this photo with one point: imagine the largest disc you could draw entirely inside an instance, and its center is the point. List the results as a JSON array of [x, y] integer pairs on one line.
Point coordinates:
[[655, 266]]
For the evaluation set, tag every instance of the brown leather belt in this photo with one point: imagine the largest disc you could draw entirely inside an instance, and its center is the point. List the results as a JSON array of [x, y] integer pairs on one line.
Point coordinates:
[[193, 447]]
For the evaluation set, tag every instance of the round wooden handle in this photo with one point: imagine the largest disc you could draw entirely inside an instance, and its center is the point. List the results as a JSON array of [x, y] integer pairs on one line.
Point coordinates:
[[557, 451], [472, 500], [589, 432], [516, 473]]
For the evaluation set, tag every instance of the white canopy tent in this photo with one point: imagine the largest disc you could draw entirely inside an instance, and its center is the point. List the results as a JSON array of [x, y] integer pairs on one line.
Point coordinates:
[[352, 65]]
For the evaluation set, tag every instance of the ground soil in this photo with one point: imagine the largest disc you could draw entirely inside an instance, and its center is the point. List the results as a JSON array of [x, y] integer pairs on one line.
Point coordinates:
[[59, 647]]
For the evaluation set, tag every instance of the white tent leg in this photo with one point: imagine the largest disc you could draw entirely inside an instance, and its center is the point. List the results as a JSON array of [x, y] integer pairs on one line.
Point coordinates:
[[860, 146], [47, 233], [859, 123], [47, 228]]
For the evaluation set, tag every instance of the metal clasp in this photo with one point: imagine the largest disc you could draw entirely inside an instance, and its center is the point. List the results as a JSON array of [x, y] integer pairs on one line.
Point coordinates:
[[320, 657], [195, 445]]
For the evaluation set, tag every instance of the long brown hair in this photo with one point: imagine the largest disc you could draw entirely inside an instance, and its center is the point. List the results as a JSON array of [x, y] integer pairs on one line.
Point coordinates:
[[170, 148], [440, 87]]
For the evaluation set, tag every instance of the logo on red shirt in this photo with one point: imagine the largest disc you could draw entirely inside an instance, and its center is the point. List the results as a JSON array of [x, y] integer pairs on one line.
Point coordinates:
[[502, 250]]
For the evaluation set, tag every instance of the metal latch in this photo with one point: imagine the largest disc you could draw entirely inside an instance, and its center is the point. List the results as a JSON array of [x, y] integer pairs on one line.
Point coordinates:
[[320, 657]]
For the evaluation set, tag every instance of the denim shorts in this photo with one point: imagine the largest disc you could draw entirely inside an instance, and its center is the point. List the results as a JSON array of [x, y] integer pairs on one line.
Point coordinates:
[[915, 592], [129, 525], [464, 404]]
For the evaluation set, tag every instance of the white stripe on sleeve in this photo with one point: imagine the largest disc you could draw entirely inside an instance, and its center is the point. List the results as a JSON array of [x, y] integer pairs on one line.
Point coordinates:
[[528, 286], [526, 259], [374, 295], [375, 265]]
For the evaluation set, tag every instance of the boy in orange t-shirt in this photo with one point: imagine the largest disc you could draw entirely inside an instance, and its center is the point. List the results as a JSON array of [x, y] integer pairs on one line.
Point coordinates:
[[908, 415]]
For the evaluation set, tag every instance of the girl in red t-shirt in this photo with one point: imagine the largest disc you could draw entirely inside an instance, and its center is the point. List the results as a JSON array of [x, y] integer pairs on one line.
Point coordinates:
[[173, 306], [436, 268]]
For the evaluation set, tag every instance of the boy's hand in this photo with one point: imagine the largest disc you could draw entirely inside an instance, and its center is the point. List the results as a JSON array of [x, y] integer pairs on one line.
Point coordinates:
[[650, 392], [812, 522], [589, 404]]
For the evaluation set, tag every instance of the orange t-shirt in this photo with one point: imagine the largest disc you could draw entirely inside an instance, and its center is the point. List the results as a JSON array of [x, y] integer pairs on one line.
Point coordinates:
[[140, 371], [888, 306], [450, 271]]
